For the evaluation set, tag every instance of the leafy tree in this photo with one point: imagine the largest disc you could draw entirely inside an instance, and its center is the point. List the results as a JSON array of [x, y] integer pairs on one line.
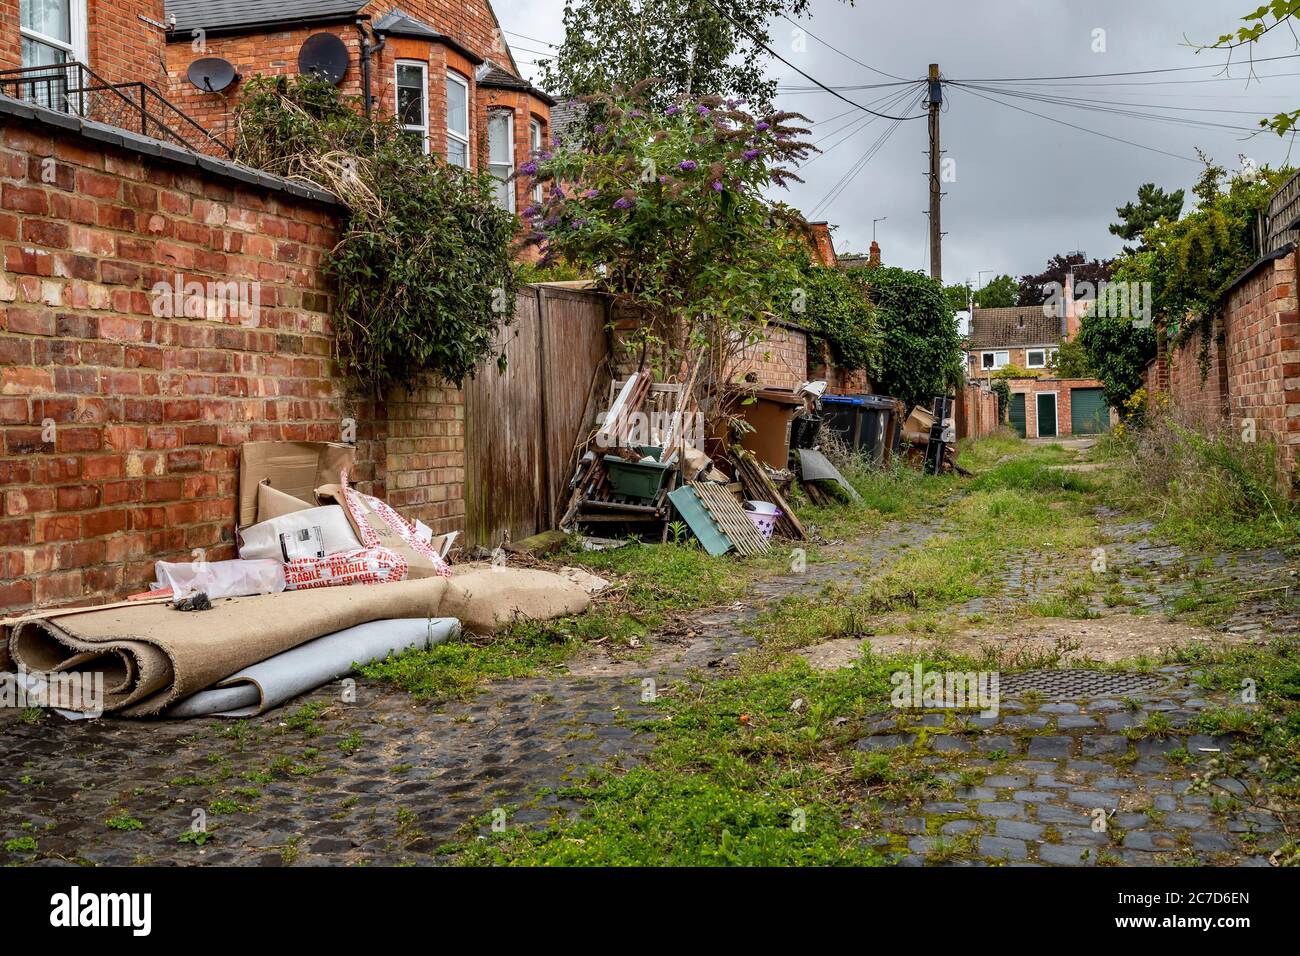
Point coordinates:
[[922, 356], [688, 45], [667, 208], [837, 309], [1119, 350], [1035, 289], [999, 293], [1153, 206], [959, 296], [1071, 361], [425, 267]]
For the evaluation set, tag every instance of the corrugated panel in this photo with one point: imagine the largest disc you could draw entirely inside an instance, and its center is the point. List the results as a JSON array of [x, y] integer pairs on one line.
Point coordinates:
[[504, 447]]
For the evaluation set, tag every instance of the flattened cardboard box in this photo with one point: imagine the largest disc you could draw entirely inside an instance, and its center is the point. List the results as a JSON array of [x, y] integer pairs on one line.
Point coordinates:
[[296, 468]]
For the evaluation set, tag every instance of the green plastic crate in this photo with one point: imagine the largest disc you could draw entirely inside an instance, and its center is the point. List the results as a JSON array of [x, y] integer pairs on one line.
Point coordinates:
[[635, 479]]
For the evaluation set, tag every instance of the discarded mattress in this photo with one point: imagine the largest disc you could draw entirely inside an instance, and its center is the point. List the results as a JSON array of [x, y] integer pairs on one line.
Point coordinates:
[[153, 656], [262, 687]]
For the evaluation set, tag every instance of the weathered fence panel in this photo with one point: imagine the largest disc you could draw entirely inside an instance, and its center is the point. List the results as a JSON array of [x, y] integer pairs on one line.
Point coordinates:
[[521, 425]]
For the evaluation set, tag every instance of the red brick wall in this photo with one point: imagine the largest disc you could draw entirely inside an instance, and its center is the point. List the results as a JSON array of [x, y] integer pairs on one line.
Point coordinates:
[[780, 360], [123, 47], [1261, 357], [149, 411], [1198, 394]]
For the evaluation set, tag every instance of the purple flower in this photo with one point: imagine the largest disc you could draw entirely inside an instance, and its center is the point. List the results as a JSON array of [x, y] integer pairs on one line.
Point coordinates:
[[688, 165], [579, 223], [636, 114], [600, 129], [532, 211], [752, 154], [624, 203], [672, 111], [717, 187], [763, 125], [591, 193], [551, 222], [702, 110], [529, 168]]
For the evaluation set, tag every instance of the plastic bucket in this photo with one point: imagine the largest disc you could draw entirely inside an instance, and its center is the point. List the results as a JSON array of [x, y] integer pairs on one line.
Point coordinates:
[[764, 515]]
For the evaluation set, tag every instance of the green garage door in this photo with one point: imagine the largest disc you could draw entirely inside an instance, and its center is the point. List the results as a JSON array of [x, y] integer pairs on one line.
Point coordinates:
[[1017, 413], [1089, 413]]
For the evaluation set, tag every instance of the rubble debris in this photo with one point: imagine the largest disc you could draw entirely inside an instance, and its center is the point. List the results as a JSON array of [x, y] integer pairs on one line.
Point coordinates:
[[758, 486]]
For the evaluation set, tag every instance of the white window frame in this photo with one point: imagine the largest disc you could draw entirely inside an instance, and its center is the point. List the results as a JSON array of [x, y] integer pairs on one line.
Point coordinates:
[[508, 182], [537, 142], [1056, 413], [455, 78], [78, 32], [1005, 356], [423, 128], [1048, 355]]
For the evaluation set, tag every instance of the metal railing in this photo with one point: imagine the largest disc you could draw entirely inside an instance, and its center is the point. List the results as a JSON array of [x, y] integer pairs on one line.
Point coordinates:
[[75, 88]]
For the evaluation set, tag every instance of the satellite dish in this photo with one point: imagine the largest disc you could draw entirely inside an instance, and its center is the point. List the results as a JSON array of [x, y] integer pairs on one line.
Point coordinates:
[[212, 74], [324, 56]]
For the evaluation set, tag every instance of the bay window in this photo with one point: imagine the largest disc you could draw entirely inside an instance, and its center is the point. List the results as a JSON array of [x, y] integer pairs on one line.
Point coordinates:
[[413, 100], [501, 156], [535, 141], [457, 120]]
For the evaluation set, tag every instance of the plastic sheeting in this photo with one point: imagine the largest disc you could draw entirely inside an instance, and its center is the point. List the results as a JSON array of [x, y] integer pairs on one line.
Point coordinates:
[[267, 685]]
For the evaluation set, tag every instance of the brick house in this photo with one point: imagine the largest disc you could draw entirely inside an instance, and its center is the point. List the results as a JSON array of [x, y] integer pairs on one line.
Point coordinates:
[[1022, 336], [444, 69], [119, 39]]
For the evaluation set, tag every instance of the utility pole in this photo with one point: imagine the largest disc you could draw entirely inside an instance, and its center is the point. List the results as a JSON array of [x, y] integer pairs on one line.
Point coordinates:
[[936, 194]]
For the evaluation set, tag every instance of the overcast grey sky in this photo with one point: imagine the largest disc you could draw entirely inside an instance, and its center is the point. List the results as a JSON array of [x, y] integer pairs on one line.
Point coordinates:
[[1025, 188]]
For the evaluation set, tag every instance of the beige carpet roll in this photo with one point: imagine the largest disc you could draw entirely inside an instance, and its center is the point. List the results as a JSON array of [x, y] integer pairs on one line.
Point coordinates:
[[152, 655]]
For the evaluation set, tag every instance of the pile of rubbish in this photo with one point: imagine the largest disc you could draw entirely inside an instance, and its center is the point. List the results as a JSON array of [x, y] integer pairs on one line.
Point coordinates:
[[646, 473], [327, 577]]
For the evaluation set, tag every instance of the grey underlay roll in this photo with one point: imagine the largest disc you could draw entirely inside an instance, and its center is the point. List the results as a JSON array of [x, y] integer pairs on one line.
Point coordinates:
[[257, 689]]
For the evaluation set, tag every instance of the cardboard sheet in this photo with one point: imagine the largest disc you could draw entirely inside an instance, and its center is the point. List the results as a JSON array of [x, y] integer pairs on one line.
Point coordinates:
[[295, 468]]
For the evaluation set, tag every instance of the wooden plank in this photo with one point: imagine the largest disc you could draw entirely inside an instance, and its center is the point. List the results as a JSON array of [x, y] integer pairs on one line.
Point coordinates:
[[759, 487]]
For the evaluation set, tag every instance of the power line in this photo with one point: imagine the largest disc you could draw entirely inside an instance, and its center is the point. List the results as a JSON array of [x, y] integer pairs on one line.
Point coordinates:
[[1083, 129], [861, 163], [812, 79], [553, 46], [1118, 109], [1091, 76], [842, 53]]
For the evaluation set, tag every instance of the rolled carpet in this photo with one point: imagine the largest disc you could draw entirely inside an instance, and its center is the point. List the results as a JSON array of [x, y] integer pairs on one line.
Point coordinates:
[[153, 656], [262, 687]]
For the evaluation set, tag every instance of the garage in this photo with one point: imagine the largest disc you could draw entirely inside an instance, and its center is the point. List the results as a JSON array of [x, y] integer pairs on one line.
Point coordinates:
[[1089, 413], [1017, 413]]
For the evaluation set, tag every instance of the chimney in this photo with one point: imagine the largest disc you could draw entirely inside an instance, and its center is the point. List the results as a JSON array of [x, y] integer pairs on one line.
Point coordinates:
[[822, 243], [875, 253], [1070, 321]]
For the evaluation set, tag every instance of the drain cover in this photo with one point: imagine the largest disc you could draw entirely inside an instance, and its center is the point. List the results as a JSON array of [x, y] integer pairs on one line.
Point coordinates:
[[1079, 683]]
